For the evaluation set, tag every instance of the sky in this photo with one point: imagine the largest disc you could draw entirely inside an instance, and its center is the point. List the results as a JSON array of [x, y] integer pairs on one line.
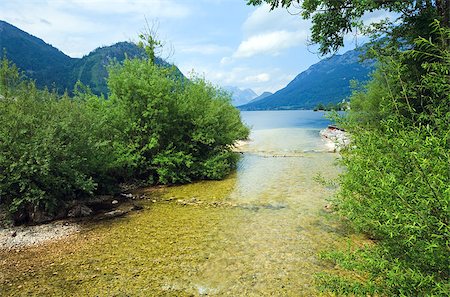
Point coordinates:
[[226, 41]]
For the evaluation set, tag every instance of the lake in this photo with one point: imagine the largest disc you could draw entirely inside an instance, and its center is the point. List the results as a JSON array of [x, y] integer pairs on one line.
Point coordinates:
[[256, 233]]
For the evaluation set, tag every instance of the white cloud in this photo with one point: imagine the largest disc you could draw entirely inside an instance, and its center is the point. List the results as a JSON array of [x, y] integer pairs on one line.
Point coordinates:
[[149, 8], [269, 43], [205, 49], [265, 20], [78, 26], [259, 79], [377, 16], [262, 77], [270, 32], [225, 61]]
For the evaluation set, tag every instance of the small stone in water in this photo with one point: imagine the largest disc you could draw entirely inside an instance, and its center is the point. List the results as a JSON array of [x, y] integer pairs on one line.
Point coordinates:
[[115, 202]]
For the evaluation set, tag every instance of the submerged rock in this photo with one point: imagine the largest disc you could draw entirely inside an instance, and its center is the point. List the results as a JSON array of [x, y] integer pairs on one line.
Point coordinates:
[[113, 214], [136, 207]]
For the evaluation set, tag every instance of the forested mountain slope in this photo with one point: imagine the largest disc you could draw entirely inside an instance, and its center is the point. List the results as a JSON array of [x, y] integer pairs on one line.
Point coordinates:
[[327, 81]]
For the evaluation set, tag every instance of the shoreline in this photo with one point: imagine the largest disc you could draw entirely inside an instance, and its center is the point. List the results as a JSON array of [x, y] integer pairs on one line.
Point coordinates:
[[24, 236], [336, 139]]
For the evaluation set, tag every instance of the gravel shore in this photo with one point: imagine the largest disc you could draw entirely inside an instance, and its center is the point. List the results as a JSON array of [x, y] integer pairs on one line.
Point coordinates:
[[24, 236], [335, 138]]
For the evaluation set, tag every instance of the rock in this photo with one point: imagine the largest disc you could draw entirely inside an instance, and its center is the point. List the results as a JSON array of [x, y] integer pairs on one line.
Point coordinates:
[[113, 214], [20, 217], [129, 196], [40, 216], [102, 202], [137, 207], [114, 202], [79, 210], [61, 212], [275, 206], [337, 138]]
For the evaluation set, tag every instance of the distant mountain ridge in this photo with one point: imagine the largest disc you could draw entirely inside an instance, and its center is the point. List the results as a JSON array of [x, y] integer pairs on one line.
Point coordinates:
[[262, 96], [37, 59], [240, 96], [50, 67], [327, 81]]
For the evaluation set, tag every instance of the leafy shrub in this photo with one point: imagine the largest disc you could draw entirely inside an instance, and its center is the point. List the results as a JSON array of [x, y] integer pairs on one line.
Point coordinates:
[[156, 126], [50, 150], [175, 130], [396, 187]]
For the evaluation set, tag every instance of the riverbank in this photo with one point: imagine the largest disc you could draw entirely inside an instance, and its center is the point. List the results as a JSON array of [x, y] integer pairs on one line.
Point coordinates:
[[18, 237], [250, 234], [335, 138], [256, 233], [116, 206], [26, 235]]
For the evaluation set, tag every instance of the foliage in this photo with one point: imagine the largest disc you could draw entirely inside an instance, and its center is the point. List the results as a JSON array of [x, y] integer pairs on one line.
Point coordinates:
[[396, 187], [173, 131], [157, 126], [9, 78], [333, 19], [396, 184], [340, 106], [51, 150]]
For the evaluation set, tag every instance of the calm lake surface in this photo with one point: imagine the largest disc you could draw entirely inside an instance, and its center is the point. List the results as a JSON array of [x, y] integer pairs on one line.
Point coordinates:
[[256, 233]]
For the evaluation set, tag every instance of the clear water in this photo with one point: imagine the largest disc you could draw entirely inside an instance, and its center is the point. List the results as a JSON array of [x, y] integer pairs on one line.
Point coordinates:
[[307, 119], [256, 233]]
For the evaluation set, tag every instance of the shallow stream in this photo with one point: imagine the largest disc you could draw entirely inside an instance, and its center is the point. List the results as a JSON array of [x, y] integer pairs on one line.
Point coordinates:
[[257, 233]]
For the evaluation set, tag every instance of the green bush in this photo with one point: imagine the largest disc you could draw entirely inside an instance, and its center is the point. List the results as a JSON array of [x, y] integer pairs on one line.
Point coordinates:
[[50, 150], [174, 130], [157, 126], [396, 186]]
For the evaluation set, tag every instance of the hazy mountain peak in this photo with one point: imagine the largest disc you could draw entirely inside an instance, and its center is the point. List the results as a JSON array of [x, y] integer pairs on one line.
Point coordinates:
[[240, 96], [262, 96]]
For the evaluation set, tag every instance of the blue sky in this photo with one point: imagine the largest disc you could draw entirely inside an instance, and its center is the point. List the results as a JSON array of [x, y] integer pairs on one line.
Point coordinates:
[[226, 41]]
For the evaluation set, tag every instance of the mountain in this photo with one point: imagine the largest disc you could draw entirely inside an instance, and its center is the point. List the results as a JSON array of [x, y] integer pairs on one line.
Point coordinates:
[[327, 81], [92, 69], [39, 60], [50, 67], [240, 96], [262, 96]]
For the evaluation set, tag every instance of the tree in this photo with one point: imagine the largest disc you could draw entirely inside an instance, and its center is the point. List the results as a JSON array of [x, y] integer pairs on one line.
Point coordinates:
[[396, 187], [174, 130], [333, 19], [10, 78]]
